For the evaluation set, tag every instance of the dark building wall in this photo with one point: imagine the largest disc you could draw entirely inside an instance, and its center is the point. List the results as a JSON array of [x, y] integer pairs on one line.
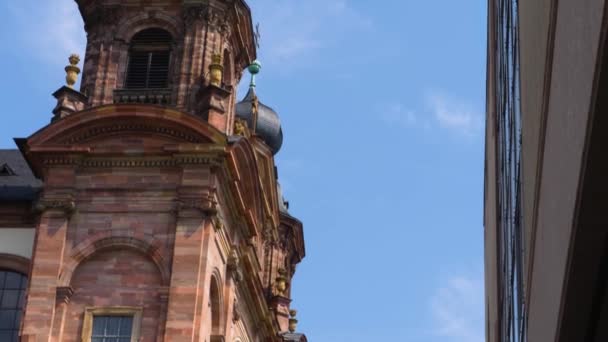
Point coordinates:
[[534, 24]]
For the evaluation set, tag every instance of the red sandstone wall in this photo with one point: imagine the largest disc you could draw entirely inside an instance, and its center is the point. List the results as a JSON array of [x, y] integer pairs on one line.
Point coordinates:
[[115, 278]]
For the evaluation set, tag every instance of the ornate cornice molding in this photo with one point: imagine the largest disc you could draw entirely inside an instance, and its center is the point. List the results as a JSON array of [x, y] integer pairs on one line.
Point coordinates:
[[131, 127], [139, 162], [67, 205]]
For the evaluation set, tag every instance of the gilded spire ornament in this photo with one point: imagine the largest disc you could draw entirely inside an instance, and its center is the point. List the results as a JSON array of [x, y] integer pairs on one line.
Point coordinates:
[[293, 322], [216, 70], [72, 70], [281, 281]]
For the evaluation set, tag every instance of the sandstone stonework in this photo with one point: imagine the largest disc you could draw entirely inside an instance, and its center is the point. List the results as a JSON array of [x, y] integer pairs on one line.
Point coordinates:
[[160, 207]]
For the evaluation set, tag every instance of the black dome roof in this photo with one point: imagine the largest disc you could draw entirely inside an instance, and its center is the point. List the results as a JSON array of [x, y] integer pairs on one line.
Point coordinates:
[[268, 125]]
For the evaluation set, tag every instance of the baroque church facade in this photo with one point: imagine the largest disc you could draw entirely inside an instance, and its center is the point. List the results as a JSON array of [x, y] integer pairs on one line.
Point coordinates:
[[149, 209]]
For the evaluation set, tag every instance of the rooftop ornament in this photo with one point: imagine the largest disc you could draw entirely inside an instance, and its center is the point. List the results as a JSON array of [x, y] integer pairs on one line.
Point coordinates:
[[293, 322], [254, 69], [216, 70], [281, 281], [72, 70]]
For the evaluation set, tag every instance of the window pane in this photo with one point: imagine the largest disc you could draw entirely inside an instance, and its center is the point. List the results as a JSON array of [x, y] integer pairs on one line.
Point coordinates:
[[7, 319], [13, 280], [137, 69], [159, 70], [2, 276], [97, 339], [99, 324], [125, 326], [21, 303], [24, 282], [18, 316], [125, 339], [10, 299], [6, 336], [112, 326]]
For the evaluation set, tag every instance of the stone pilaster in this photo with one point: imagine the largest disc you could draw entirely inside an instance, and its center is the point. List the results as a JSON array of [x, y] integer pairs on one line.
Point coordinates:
[[64, 293], [47, 260], [193, 227]]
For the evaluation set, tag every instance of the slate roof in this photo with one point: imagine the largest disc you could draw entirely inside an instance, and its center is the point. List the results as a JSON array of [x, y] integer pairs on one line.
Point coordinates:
[[294, 337], [17, 182], [268, 125]]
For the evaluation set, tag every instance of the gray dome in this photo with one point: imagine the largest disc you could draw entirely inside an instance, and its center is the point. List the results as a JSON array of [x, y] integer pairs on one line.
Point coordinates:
[[268, 125]]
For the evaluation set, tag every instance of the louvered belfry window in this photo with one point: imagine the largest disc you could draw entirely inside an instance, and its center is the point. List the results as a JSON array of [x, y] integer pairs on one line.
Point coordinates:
[[149, 58]]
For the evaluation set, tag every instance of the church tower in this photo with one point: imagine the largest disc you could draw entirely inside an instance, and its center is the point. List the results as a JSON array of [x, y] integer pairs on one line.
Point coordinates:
[[159, 215]]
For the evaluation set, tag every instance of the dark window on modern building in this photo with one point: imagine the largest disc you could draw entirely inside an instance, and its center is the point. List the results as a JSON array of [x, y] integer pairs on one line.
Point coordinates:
[[112, 329], [149, 60], [12, 299]]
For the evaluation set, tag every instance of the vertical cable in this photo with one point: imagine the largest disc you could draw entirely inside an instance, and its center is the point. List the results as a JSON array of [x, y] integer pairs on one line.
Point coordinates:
[[510, 228]]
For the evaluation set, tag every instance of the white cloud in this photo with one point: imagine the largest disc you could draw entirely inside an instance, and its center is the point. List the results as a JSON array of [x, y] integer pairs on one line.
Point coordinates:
[[457, 309], [454, 114], [295, 32], [439, 111], [50, 29]]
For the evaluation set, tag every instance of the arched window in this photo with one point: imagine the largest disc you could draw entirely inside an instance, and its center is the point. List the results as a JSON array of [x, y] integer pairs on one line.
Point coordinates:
[[149, 59], [214, 301], [12, 299]]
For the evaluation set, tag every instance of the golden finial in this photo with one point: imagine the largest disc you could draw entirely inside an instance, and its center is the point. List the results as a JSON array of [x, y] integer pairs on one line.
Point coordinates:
[[293, 322], [72, 70], [281, 281], [216, 70]]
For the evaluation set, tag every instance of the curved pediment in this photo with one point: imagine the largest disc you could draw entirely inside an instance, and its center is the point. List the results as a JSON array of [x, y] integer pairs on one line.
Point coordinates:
[[122, 132], [113, 125]]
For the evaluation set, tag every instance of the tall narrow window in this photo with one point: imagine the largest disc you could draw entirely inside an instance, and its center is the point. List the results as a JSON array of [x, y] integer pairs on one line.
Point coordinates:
[[149, 59], [12, 298]]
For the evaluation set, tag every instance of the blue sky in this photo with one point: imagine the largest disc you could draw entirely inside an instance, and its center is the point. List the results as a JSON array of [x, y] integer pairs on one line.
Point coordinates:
[[382, 107]]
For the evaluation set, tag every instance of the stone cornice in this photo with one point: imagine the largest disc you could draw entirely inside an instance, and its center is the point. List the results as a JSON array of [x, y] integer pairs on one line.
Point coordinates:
[[65, 204], [111, 128], [139, 162]]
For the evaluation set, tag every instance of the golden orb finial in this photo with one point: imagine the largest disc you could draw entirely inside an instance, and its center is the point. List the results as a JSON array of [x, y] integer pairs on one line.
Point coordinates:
[[216, 70], [293, 321], [72, 70]]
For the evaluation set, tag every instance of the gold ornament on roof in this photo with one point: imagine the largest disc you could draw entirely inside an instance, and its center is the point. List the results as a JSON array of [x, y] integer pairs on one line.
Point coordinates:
[[216, 70], [293, 322], [240, 128], [72, 70], [255, 103], [281, 281]]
